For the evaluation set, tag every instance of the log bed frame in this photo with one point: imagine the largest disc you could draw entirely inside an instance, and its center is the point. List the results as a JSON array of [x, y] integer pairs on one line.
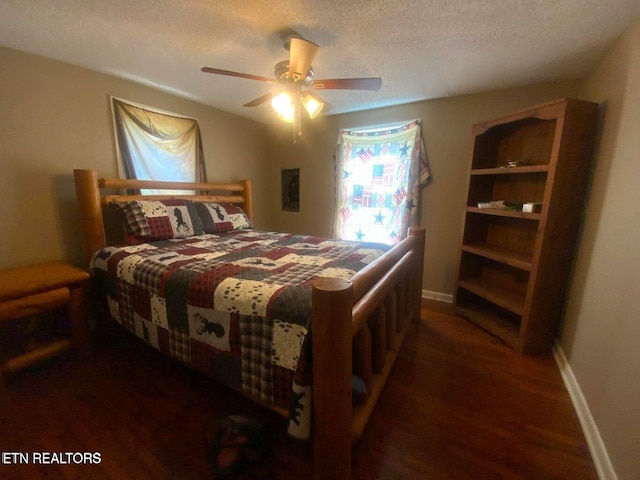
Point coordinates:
[[358, 325]]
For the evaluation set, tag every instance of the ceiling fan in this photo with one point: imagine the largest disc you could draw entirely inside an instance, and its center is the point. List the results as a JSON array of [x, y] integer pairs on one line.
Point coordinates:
[[296, 75]]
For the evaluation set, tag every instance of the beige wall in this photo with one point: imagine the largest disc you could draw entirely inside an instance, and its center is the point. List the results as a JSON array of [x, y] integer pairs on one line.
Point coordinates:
[[56, 117], [447, 132], [601, 334]]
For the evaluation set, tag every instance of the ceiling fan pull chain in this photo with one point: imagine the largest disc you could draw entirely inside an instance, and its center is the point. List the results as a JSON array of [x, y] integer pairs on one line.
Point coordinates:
[[298, 109]]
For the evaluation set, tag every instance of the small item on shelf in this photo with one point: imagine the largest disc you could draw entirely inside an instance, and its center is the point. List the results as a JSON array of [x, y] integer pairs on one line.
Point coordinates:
[[500, 205], [515, 206], [532, 207], [491, 204], [511, 164]]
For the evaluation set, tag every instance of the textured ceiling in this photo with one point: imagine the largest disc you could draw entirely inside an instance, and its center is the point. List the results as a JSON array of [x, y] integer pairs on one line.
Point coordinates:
[[421, 48]]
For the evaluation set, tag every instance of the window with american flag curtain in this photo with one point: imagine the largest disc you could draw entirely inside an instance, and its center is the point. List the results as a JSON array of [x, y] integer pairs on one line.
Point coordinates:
[[379, 176]]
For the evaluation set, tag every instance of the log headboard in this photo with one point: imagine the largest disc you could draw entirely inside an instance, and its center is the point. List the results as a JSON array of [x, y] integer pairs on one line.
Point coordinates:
[[94, 193]]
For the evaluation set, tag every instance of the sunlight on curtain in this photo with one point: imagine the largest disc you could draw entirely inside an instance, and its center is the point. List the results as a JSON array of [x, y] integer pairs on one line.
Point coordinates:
[[380, 174], [157, 146]]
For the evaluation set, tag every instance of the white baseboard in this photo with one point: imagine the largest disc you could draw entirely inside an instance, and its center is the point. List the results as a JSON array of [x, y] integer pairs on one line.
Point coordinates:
[[598, 450], [440, 297]]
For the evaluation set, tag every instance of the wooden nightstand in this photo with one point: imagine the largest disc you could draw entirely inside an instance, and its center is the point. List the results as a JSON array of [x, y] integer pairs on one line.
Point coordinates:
[[34, 289]]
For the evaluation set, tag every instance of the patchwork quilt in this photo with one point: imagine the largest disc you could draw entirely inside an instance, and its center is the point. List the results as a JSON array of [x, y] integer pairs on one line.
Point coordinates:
[[234, 305]]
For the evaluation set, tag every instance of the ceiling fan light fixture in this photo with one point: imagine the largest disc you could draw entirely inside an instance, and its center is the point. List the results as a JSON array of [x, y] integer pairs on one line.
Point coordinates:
[[283, 106], [312, 105]]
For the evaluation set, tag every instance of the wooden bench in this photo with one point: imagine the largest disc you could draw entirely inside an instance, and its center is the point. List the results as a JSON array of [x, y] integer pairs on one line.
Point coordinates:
[[27, 291]]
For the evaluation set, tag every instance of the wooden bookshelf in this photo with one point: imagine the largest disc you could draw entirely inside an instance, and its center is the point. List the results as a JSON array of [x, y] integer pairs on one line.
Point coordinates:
[[514, 266]]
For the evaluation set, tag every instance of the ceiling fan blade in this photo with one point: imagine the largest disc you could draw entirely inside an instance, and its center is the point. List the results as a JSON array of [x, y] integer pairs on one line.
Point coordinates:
[[259, 101], [229, 73], [372, 83], [301, 54]]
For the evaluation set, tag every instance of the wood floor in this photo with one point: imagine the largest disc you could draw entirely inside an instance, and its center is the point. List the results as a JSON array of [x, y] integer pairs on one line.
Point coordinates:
[[458, 405]]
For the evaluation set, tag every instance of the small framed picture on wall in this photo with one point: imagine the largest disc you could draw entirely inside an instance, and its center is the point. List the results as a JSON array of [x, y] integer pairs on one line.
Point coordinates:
[[290, 184]]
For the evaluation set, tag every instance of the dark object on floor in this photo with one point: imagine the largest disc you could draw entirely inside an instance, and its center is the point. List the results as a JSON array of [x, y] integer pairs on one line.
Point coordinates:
[[235, 443]]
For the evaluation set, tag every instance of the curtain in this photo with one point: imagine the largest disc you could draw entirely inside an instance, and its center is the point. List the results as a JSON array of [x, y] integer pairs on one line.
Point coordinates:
[[157, 146], [379, 178]]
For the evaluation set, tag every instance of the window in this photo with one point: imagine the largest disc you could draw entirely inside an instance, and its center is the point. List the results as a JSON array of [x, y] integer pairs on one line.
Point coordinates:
[[154, 145], [380, 173]]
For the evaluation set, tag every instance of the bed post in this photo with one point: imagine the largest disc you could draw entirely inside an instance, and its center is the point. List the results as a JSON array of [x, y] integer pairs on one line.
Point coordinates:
[[418, 233], [248, 200], [90, 207], [332, 300]]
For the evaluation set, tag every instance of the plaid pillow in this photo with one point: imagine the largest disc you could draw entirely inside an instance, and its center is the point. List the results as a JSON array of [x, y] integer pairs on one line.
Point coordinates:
[[222, 217], [150, 220]]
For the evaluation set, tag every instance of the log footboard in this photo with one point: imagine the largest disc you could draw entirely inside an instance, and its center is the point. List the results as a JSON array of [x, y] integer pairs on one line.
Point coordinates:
[[358, 327]]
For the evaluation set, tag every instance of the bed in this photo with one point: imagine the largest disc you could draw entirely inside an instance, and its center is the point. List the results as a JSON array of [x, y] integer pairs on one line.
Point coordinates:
[[310, 327]]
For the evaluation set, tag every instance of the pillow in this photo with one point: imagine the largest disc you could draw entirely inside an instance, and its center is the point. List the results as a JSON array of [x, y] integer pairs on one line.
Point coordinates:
[[222, 217], [150, 220]]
